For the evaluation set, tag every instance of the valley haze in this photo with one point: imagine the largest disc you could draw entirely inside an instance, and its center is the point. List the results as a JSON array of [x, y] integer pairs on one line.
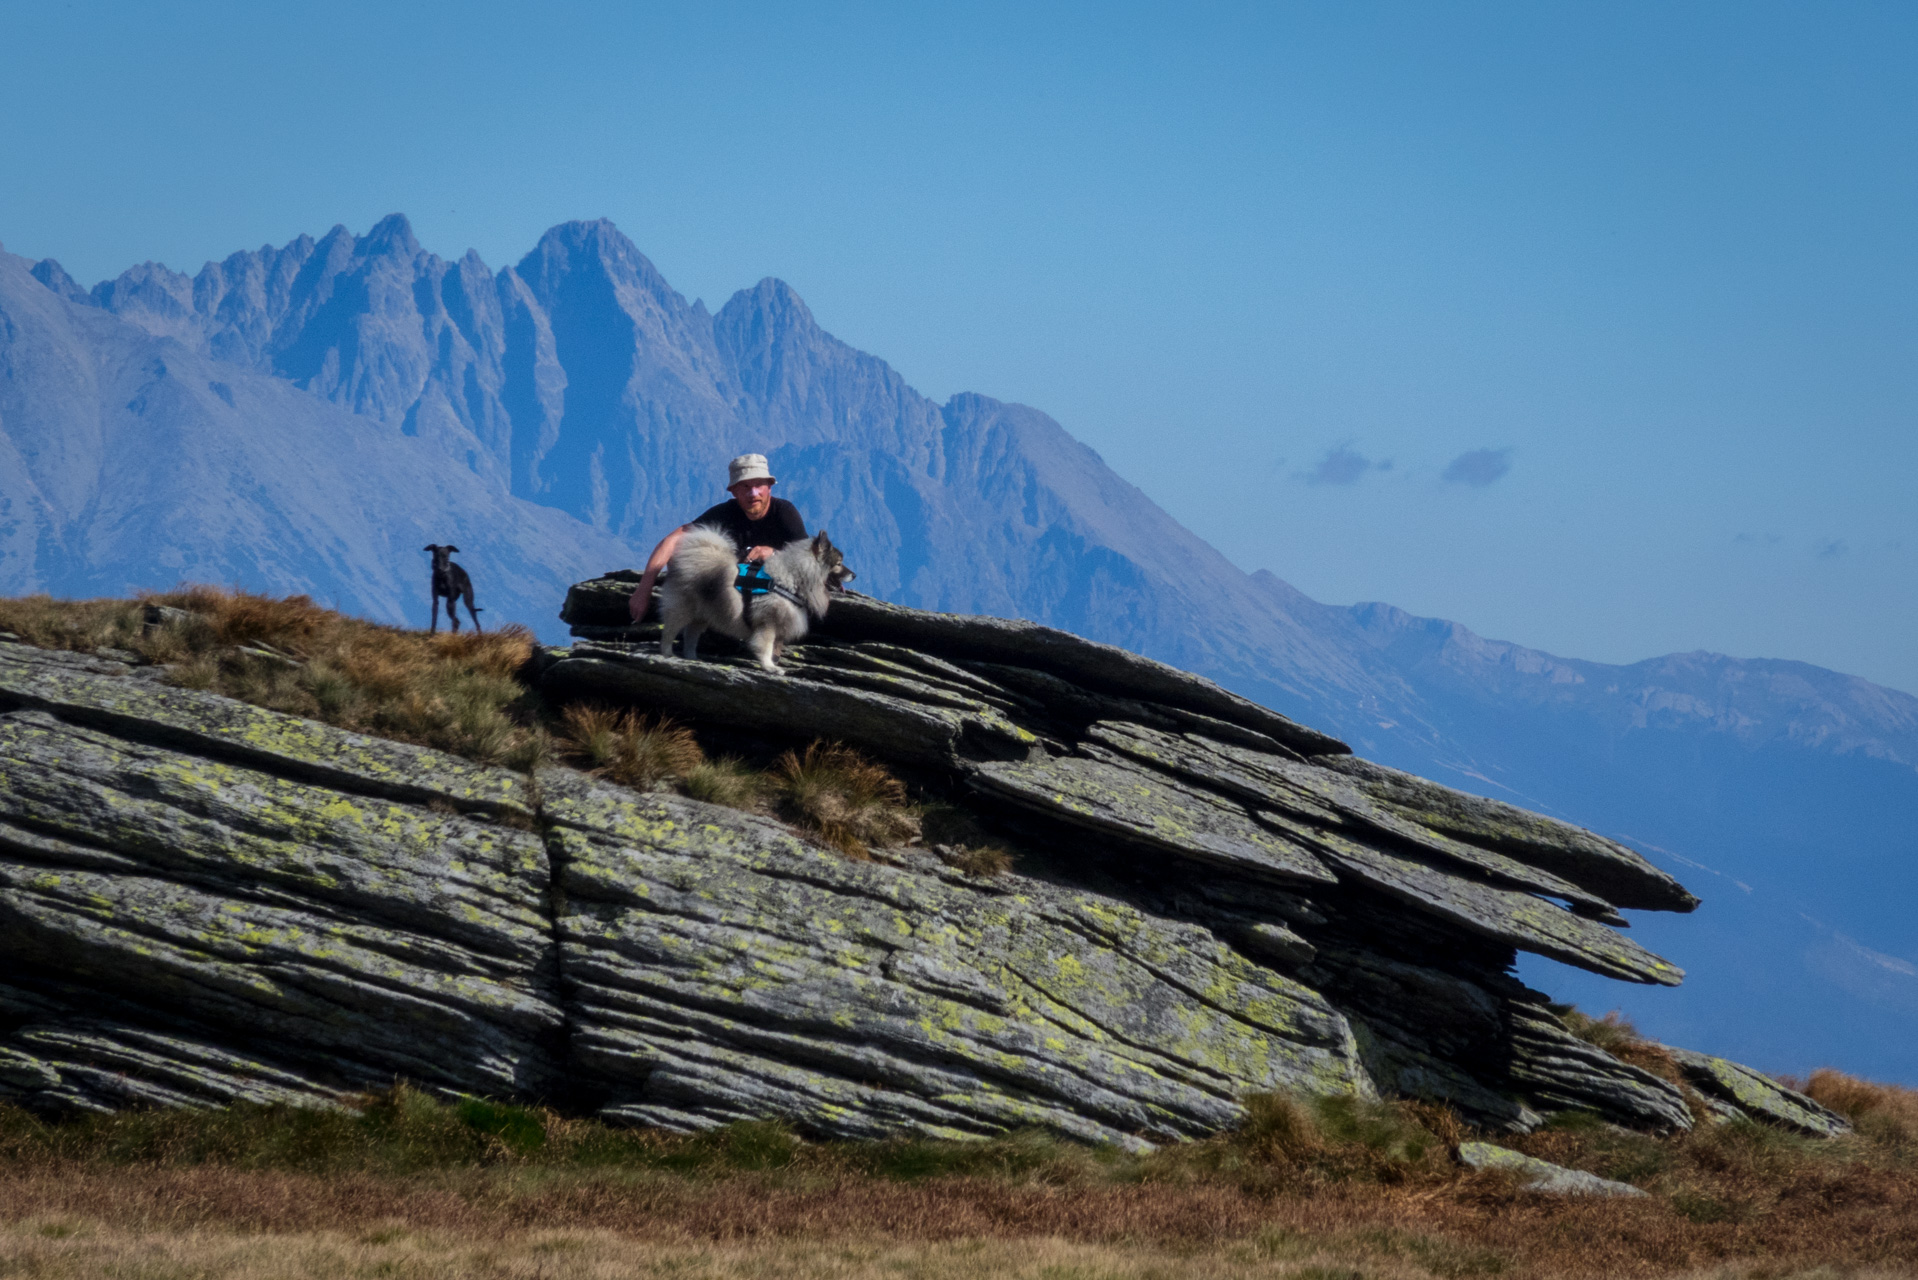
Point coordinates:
[[305, 418]]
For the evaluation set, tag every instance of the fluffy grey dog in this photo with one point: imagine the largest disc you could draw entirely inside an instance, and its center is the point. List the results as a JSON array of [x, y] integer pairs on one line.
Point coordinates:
[[699, 595]]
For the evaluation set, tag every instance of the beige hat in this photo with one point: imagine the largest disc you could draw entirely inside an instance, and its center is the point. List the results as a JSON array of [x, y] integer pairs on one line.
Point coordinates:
[[748, 466]]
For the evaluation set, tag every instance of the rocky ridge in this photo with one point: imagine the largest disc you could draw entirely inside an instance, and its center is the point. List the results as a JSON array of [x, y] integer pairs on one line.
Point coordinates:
[[304, 419], [203, 901]]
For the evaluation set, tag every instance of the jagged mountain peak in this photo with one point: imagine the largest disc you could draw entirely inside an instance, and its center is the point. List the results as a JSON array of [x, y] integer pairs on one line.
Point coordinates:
[[583, 240], [592, 250], [774, 297], [54, 276], [391, 235]]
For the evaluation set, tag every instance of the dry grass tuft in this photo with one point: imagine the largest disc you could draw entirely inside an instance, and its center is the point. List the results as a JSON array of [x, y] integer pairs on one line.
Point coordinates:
[[1886, 1113], [634, 750], [726, 781], [80, 625], [981, 861], [454, 692], [845, 799], [1278, 1126], [1616, 1035]]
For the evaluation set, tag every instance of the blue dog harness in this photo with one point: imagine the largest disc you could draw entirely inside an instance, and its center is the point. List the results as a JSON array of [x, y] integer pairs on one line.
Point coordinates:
[[753, 581]]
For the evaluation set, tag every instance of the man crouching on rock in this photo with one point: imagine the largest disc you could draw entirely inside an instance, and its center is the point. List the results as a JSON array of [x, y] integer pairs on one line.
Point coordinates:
[[758, 523]]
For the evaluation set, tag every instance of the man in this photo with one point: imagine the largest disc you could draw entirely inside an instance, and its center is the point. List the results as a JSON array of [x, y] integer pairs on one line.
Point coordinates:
[[758, 523]]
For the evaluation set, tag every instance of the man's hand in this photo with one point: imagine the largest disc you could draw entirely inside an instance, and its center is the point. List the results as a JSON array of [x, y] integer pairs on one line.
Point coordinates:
[[755, 554], [640, 601]]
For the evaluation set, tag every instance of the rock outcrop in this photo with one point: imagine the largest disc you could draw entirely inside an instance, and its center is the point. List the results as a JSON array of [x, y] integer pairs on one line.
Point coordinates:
[[203, 901], [1541, 1176]]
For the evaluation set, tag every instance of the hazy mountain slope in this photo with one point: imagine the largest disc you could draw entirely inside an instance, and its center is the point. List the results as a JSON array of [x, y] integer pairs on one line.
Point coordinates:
[[580, 380], [1784, 792], [129, 461], [601, 391]]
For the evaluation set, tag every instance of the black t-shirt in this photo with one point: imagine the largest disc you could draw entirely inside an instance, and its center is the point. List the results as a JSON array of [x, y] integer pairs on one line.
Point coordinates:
[[780, 525]]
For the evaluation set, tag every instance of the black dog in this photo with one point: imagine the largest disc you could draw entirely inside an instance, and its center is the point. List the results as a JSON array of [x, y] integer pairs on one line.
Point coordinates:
[[450, 580]]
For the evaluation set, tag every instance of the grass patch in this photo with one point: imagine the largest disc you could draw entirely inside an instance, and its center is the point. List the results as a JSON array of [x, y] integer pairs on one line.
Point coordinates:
[[635, 750], [1616, 1035], [980, 861], [1884, 1113], [1305, 1186], [1292, 1144], [453, 692], [845, 799], [962, 841], [727, 781], [402, 1131], [456, 692]]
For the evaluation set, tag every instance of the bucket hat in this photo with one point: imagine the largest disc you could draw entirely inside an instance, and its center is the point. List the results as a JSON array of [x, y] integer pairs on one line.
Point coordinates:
[[748, 466]]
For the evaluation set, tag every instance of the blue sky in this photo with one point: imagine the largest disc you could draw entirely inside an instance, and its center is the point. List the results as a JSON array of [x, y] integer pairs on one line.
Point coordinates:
[[1592, 327]]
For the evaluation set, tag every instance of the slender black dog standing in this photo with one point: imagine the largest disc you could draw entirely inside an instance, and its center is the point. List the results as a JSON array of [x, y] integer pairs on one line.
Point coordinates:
[[450, 580]]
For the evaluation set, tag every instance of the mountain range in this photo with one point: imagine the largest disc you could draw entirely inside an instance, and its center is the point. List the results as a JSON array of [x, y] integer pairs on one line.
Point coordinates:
[[307, 417]]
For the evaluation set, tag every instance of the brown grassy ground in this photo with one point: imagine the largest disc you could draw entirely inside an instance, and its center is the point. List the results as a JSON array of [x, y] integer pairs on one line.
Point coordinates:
[[414, 1187], [458, 692]]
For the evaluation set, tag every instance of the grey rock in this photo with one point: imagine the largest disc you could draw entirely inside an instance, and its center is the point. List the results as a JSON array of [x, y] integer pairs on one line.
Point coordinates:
[[1748, 1093], [1065, 700], [938, 678], [1505, 915], [1135, 776], [1100, 667], [1312, 793], [603, 602], [1147, 808], [1541, 1176], [240, 917], [203, 902], [66, 685], [742, 697], [1604, 866], [1272, 940], [723, 969], [1558, 1071]]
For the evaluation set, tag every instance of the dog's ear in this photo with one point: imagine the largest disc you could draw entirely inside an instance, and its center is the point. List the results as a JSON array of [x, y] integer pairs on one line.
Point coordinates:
[[821, 544], [431, 546], [451, 547]]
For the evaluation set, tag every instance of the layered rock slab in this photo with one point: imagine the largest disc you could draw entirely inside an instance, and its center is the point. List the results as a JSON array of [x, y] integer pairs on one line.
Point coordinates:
[[178, 927], [1732, 1091], [1099, 764], [205, 902], [719, 968], [1541, 1176]]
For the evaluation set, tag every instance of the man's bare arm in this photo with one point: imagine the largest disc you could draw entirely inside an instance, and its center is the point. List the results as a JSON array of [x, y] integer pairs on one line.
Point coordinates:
[[642, 597]]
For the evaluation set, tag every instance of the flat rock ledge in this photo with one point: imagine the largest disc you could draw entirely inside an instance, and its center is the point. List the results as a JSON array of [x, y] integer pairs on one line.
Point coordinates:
[[203, 902], [1541, 1176]]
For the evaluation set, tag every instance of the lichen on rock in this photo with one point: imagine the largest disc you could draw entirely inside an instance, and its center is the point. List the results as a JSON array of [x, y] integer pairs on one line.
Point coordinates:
[[202, 901]]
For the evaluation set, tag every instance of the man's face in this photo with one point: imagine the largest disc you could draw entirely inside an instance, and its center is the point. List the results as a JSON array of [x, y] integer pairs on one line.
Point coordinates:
[[755, 497]]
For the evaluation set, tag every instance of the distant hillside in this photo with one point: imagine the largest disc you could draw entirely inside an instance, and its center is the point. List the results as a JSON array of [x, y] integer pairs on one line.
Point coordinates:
[[129, 460], [580, 382]]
